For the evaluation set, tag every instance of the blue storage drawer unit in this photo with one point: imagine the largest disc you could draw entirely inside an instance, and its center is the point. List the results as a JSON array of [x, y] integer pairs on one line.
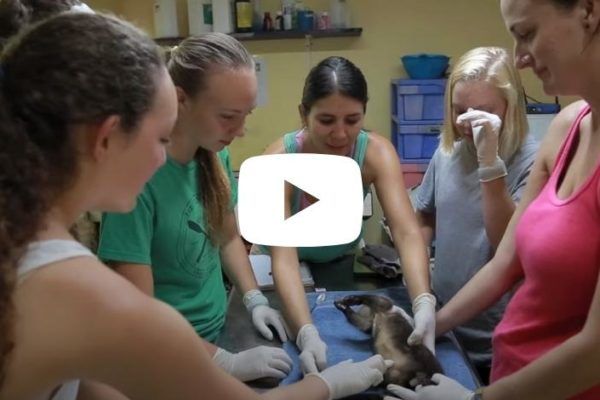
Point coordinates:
[[417, 117], [418, 100], [416, 143]]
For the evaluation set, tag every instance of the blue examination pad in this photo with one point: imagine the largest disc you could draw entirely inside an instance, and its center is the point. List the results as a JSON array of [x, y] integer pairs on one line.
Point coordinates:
[[345, 341]]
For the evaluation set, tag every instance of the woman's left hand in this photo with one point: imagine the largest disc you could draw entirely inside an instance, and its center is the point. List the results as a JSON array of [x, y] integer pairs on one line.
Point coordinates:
[[263, 316], [444, 388], [424, 321]]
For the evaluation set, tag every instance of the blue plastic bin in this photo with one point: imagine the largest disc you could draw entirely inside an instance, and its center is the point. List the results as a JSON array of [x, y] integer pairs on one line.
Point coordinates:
[[425, 66], [416, 143], [418, 100]]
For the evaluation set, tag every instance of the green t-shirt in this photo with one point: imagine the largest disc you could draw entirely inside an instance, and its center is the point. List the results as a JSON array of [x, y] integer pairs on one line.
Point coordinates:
[[166, 231]]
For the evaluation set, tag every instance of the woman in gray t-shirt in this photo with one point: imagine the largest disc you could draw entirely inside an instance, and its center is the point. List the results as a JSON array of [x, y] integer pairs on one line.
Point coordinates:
[[473, 181]]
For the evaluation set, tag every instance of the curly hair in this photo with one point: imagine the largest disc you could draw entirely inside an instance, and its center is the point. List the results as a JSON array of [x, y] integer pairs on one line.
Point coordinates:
[[70, 69], [16, 14], [190, 64]]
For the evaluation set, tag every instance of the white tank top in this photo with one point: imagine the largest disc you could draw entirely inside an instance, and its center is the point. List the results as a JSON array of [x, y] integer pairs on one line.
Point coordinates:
[[38, 255]]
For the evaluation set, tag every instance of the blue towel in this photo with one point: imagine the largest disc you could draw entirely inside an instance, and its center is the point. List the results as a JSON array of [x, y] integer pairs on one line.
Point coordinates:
[[345, 341]]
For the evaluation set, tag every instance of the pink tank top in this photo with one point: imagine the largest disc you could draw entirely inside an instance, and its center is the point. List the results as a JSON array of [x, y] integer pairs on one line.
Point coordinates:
[[558, 244]]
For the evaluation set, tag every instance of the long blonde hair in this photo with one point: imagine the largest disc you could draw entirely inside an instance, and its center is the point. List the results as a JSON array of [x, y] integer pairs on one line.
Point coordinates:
[[494, 65], [190, 65]]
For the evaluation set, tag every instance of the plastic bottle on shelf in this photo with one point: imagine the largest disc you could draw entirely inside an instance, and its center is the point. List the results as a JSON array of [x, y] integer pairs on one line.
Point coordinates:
[[287, 20], [339, 14], [298, 6], [243, 16], [323, 21], [257, 16], [267, 22], [279, 21], [346, 17], [306, 20], [287, 7]]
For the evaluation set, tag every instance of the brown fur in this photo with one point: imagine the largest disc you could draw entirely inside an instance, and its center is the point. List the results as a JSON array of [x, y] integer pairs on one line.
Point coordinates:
[[413, 365]]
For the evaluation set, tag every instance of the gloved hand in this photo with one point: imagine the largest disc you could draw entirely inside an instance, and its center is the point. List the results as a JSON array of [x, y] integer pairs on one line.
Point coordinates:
[[486, 138], [445, 388], [313, 356], [348, 378], [254, 363], [486, 130], [424, 316], [263, 315]]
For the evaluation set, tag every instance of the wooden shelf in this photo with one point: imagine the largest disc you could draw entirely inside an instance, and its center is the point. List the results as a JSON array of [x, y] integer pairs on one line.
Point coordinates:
[[278, 35]]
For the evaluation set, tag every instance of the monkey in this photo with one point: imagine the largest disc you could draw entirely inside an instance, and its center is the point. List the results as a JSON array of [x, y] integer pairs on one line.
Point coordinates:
[[413, 364]]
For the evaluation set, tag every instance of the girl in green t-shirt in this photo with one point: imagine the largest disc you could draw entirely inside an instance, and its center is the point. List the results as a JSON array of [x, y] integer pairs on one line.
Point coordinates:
[[183, 233]]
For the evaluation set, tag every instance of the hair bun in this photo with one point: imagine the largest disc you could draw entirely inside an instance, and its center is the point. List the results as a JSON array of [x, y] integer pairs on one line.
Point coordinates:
[[14, 15]]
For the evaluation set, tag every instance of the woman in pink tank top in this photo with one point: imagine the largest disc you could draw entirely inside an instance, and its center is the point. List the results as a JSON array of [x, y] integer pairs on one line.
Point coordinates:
[[547, 345]]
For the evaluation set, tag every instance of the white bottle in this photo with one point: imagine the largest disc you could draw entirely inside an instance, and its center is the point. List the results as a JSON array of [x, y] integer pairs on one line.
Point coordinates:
[[257, 16], [165, 19], [339, 14], [287, 6], [287, 21], [346, 17], [222, 16], [200, 17]]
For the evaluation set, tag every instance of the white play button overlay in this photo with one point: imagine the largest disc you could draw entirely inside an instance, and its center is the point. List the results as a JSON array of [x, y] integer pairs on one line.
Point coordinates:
[[333, 181], [302, 193]]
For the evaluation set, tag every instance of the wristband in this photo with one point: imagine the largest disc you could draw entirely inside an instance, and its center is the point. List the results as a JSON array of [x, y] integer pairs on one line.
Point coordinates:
[[254, 298], [492, 172]]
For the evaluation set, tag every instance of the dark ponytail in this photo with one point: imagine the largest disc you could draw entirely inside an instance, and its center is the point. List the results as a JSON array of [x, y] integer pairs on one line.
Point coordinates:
[[21, 210], [71, 69]]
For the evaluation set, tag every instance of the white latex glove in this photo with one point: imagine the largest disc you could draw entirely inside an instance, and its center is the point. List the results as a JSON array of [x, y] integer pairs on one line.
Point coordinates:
[[263, 315], [313, 356], [424, 316], [486, 129], [486, 138], [445, 388], [348, 378], [254, 363]]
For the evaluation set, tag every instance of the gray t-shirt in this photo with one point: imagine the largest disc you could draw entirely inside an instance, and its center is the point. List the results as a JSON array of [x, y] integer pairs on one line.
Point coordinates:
[[452, 191]]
